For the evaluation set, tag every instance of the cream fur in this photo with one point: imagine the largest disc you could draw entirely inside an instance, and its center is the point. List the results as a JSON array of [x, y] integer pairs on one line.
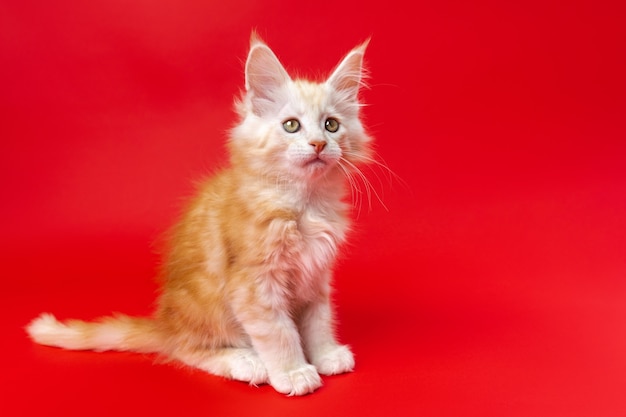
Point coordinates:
[[246, 281]]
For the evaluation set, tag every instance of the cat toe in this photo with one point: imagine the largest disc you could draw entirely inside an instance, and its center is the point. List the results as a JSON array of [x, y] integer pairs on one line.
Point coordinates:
[[249, 368], [336, 360], [301, 381]]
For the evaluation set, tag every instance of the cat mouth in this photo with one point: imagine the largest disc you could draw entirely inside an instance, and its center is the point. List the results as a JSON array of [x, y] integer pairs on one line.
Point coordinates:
[[315, 160], [316, 163]]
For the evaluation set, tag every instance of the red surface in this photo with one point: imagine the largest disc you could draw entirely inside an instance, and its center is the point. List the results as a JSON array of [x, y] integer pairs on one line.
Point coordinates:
[[494, 285]]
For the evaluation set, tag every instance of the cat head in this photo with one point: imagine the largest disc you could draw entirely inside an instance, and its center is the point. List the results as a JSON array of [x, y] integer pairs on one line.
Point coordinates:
[[297, 129]]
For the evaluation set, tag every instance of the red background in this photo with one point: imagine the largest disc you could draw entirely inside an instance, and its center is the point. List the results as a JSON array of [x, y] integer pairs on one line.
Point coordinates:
[[494, 284]]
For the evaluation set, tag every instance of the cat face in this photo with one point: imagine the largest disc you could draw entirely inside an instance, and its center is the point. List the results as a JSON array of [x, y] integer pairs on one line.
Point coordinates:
[[296, 129]]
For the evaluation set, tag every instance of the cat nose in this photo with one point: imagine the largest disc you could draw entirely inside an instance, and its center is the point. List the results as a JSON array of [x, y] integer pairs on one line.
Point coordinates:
[[319, 145]]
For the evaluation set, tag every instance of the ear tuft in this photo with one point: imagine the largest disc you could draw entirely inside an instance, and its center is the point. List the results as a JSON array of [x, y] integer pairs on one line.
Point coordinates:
[[255, 39]]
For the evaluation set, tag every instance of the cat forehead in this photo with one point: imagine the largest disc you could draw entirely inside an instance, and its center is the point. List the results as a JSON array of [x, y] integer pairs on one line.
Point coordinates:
[[311, 91], [314, 95]]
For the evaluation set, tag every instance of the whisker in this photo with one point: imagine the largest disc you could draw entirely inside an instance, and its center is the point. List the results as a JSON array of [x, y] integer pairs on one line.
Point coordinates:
[[352, 170], [356, 194], [369, 188], [382, 164]]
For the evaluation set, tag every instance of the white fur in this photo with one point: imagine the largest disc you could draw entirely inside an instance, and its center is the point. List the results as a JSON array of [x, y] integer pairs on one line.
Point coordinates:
[[47, 330]]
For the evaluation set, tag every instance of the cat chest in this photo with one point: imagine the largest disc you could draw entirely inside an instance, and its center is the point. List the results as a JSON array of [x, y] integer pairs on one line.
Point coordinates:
[[318, 239], [303, 253], [307, 243]]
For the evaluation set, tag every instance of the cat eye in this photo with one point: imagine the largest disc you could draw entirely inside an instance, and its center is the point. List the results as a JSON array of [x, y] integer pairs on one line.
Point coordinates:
[[332, 125], [291, 125]]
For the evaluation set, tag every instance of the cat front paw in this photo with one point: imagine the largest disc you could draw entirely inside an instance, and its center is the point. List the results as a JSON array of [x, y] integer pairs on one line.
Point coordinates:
[[334, 360], [300, 381], [249, 368]]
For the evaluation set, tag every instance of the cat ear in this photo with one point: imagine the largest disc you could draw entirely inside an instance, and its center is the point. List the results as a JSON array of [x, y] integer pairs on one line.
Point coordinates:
[[348, 76], [265, 76]]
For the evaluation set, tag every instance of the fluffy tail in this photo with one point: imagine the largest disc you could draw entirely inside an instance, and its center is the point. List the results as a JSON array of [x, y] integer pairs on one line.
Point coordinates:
[[118, 332]]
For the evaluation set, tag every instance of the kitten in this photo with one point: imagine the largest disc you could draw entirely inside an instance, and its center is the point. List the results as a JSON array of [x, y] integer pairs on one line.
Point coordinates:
[[246, 281]]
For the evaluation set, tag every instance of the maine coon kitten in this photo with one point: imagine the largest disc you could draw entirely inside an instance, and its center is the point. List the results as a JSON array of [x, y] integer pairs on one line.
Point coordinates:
[[246, 281]]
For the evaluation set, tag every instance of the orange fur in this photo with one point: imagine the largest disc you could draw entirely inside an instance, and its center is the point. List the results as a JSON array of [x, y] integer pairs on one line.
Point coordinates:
[[246, 279]]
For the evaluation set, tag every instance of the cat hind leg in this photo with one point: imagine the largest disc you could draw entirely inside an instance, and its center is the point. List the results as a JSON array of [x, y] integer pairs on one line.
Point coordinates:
[[240, 364]]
